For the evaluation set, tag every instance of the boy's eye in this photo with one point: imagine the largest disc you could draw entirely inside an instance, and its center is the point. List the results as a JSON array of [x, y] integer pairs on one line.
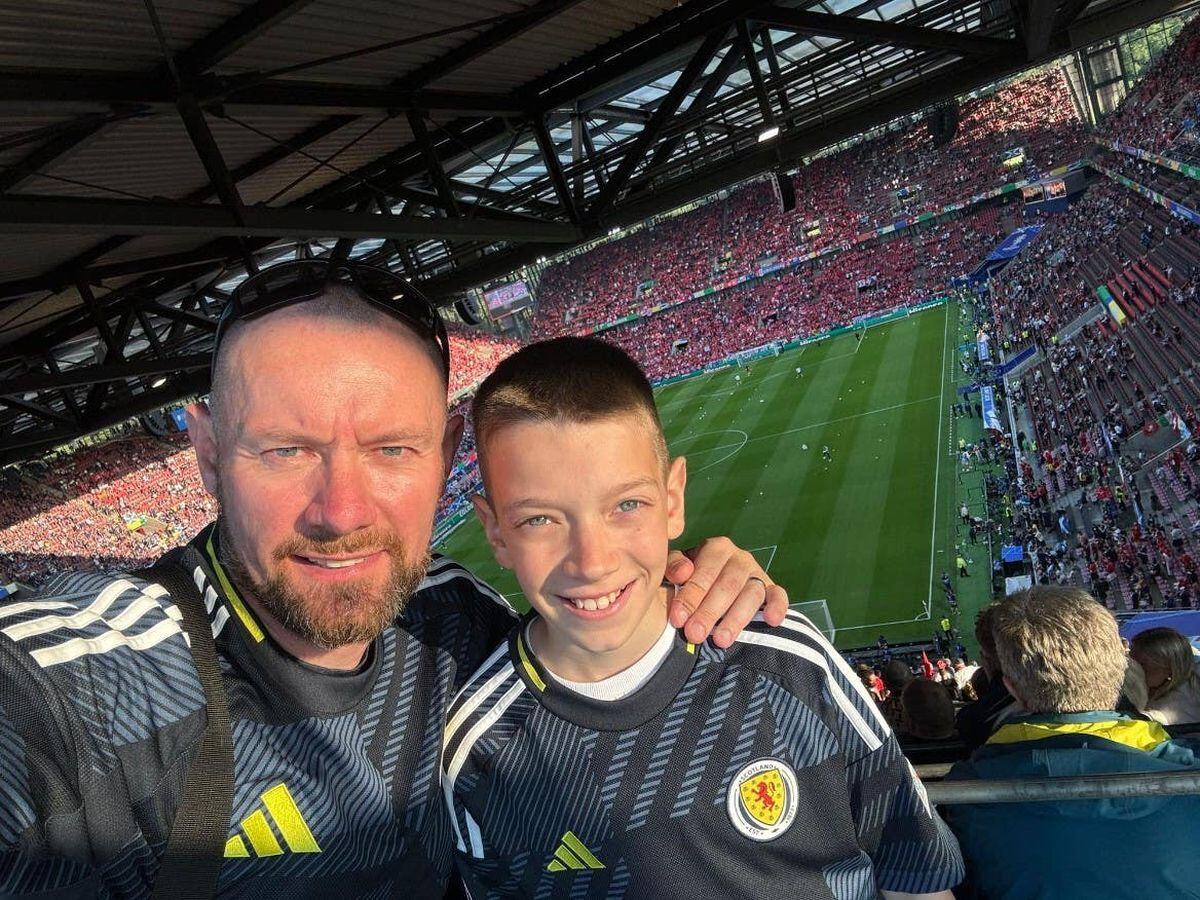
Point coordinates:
[[537, 521], [629, 505]]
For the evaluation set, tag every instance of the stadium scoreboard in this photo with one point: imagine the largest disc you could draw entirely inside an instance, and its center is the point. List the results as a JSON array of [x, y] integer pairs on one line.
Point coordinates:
[[507, 298]]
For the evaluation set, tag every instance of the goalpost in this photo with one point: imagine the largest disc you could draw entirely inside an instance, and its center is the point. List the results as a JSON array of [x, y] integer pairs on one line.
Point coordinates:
[[817, 612]]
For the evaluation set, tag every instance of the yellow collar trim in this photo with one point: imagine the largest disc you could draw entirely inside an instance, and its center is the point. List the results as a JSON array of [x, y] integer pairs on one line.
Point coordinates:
[[1130, 732], [235, 601], [527, 665]]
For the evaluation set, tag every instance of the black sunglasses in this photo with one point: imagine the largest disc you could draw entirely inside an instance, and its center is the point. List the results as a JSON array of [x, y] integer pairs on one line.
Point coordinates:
[[303, 279]]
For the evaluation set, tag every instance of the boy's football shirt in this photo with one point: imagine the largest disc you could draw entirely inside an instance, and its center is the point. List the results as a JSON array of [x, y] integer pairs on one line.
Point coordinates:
[[763, 770]]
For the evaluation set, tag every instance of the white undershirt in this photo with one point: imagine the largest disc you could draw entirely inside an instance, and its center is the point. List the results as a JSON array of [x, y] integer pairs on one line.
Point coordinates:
[[625, 682]]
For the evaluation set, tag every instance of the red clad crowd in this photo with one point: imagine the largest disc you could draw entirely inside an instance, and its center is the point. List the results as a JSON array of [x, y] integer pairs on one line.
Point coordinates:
[[838, 197]]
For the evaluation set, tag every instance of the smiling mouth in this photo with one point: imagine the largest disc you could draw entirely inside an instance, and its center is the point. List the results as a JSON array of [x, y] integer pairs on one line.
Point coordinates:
[[325, 563], [597, 603]]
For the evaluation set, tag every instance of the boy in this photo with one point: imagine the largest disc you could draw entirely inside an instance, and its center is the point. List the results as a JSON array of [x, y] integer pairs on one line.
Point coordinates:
[[600, 754]]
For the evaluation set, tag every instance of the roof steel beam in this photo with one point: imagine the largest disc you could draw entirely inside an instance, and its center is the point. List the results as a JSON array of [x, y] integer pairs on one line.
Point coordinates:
[[29, 214], [235, 33], [636, 152], [483, 43], [43, 86], [897, 34], [416, 123], [554, 167], [1038, 24], [87, 375]]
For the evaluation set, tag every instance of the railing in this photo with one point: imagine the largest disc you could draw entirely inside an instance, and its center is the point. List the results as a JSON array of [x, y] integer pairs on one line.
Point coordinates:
[[1082, 787]]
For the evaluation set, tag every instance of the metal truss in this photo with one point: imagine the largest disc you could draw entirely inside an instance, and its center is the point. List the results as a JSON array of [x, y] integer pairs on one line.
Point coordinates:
[[123, 337]]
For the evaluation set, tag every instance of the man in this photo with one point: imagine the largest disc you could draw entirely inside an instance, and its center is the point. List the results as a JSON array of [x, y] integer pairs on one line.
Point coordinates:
[[977, 720], [1064, 663], [340, 642]]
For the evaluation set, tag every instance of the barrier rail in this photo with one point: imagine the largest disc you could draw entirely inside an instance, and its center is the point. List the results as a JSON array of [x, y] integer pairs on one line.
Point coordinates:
[[1075, 787]]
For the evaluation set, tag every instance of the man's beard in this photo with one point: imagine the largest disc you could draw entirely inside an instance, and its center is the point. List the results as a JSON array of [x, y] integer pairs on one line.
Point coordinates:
[[330, 616]]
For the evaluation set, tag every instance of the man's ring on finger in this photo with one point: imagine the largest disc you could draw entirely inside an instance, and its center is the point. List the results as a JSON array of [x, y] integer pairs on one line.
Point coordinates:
[[759, 580]]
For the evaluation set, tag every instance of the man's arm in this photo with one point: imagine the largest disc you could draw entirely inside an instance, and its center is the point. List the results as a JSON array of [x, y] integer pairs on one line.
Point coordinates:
[[718, 581]]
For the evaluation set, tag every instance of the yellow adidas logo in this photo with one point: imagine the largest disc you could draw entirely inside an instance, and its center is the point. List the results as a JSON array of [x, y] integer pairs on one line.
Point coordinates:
[[288, 820], [572, 854]]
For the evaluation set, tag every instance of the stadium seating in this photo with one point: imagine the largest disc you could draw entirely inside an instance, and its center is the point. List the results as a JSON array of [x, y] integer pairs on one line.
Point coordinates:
[[1153, 116]]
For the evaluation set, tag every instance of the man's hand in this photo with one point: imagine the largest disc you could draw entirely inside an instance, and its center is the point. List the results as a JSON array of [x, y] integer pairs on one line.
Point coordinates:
[[717, 580]]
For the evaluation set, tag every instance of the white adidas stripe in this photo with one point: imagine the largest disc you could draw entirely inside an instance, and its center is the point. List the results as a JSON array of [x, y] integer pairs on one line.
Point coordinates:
[[460, 757], [839, 696], [94, 612], [808, 629], [489, 688], [15, 609], [486, 721], [457, 571], [110, 640]]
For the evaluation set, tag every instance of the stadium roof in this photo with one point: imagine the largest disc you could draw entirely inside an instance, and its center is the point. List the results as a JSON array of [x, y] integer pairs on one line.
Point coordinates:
[[152, 150]]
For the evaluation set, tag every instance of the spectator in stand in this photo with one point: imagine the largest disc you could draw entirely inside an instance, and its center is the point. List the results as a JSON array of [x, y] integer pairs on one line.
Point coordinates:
[[1172, 680], [928, 710], [977, 720], [896, 675], [1063, 660]]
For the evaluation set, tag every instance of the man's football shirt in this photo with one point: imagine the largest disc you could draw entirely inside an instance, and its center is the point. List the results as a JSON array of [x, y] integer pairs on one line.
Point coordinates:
[[764, 770], [336, 773]]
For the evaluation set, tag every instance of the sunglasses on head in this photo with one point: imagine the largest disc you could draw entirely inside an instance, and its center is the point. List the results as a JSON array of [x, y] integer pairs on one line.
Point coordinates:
[[303, 279]]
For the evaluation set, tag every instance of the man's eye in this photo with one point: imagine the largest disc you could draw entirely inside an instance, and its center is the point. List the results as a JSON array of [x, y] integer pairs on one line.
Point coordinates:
[[285, 452], [392, 451], [629, 505], [537, 521]]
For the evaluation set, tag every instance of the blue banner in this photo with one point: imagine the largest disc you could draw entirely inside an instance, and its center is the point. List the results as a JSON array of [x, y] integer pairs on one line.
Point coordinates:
[[1014, 243], [179, 417], [991, 420]]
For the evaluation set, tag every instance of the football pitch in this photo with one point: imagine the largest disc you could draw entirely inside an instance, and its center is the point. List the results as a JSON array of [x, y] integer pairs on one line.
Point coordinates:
[[869, 530]]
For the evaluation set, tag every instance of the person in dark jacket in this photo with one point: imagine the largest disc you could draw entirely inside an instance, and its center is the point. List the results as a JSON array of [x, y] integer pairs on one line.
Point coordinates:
[[1064, 664]]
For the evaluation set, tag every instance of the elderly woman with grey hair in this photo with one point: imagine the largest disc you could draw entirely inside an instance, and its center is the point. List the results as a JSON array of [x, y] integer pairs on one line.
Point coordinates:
[[1172, 679]]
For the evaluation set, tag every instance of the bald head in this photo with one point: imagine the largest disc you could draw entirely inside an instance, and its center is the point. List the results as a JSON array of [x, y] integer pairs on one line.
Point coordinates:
[[339, 306]]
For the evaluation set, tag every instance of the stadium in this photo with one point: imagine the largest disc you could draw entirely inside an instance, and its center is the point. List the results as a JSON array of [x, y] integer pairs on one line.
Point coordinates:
[[916, 283]]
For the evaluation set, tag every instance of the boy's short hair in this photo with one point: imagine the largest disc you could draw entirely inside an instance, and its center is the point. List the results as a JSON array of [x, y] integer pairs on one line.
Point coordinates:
[[567, 379], [1060, 650]]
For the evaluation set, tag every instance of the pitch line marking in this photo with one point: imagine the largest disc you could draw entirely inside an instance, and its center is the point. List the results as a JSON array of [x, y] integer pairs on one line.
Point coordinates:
[[770, 559], [733, 448], [764, 437], [937, 467]]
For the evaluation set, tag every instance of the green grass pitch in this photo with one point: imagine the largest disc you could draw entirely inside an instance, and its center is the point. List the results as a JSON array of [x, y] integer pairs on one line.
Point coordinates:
[[859, 531]]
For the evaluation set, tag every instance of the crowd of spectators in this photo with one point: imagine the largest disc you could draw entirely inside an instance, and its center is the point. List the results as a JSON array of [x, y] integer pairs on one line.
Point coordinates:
[[901, 172], [1166, 101], [119, 504], [473, 354]]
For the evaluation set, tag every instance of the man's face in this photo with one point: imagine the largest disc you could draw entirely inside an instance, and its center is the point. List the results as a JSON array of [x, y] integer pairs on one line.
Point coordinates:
[[582, 513], [329, 455]]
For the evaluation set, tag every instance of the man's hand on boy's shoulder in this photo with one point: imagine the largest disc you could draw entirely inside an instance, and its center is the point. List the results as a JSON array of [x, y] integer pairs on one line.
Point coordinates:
[[719, 580]]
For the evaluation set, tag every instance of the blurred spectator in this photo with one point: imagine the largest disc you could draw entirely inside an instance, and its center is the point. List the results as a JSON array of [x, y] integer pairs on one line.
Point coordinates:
[[1063, 660], [928, 710], [1172, 680], [896, 675], [976, 721]]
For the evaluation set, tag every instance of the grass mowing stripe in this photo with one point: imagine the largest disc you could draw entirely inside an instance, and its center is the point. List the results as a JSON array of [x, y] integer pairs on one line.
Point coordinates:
[[937, 466], [822, 521]]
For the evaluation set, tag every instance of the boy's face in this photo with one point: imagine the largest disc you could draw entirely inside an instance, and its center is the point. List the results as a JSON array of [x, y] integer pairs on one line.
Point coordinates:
[[582, 512]]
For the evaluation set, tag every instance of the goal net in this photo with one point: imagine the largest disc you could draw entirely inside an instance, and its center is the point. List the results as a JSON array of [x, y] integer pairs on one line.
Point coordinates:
[[817, 612]]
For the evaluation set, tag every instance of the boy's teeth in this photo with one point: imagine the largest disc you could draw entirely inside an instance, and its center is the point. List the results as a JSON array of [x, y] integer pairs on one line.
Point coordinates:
[[595, 603]]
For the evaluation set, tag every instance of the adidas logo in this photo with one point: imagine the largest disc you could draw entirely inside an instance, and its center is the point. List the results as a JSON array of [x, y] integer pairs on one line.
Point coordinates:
[[572, 854], [289, 824]]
